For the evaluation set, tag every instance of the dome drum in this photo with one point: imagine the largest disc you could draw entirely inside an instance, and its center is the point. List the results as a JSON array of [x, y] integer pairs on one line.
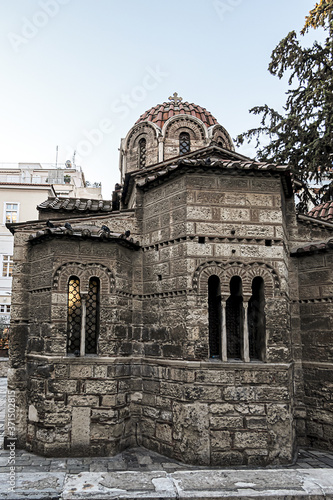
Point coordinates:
[[169, 130]]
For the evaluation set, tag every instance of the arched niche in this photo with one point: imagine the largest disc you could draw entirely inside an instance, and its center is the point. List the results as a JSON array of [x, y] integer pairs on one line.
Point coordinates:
[[218, 134]]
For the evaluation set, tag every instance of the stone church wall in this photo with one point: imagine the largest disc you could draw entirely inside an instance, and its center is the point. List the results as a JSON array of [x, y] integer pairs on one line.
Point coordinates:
[[153, 381], [316, 323], [195, 410], [67, 394]]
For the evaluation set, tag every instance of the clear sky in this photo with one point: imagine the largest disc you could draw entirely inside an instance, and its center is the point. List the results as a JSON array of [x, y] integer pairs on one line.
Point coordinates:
[[79, 73]]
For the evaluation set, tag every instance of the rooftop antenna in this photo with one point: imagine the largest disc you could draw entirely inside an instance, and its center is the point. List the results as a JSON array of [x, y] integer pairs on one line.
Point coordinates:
[[57, 157], [74, 159]]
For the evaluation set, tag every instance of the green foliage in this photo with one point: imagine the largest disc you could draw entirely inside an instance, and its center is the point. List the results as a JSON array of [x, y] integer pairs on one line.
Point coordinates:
[[302, 136]]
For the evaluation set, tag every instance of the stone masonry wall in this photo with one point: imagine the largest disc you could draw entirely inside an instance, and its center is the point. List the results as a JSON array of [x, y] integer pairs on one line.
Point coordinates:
[[205, 413], [153, 382], [67, 394], [195, 226], [316, 325]]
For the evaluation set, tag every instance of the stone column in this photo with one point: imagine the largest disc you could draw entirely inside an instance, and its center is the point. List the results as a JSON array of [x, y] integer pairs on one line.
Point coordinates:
[[160, 149], [224, 331], [83, 324], [246, 350]]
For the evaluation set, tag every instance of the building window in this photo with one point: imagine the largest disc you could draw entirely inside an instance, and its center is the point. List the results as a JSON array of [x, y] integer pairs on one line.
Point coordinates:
[[184, 143], [11, 212], [7, 266], [5, 308], [215, 316], [83, 317], [92, 316], [74, 316], [256, 320], [142, 153], [234, 319]]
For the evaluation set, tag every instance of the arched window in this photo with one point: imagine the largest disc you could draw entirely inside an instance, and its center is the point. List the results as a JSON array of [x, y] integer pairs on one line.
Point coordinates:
[[234, 319], [92, 316], [74, 315], [215, 316], [142, 152], [184, 143], [256, 320], [83, 317]]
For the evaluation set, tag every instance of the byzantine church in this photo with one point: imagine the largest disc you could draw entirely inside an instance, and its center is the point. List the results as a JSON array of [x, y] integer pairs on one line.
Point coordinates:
[[191, 314]]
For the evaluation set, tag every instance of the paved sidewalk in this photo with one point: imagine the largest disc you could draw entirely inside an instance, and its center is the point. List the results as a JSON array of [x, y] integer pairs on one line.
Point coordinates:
[[139, 473]]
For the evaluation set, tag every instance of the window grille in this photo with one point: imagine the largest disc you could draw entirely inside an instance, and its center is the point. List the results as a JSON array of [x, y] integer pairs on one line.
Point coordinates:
[[74, 315], [92, 318], [7, 266], [142, 153], [184, 143]]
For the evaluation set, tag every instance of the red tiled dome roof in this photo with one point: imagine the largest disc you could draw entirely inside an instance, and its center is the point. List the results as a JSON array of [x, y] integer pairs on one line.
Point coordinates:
[[323, 211], [162, 112]]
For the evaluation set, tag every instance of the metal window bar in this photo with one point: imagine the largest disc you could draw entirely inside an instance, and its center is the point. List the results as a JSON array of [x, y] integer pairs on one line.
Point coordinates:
[[184, 143], [92, 316], [74, 315], [142, 153]]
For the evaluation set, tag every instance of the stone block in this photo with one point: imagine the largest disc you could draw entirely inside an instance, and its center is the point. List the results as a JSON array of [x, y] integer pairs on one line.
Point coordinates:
[[164, 432], [80, 433], [226, 422], [247, 439], [227, 458], [83, 400], [62, 386], [100, 387], [80, 371], [220, 440]]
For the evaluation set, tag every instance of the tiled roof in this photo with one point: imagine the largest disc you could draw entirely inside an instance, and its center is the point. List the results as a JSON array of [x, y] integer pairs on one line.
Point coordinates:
[[323, 211], [312, 247], [76, 205], [152, 175], [162, 112], [84, 231]]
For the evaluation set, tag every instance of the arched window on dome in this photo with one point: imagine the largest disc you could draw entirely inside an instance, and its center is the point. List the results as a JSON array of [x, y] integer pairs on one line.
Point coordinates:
[[142, 152], [184, 143]]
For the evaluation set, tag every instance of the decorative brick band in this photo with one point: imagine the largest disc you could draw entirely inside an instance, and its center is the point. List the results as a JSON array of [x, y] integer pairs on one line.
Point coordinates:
[[246, 271], [84, 272]]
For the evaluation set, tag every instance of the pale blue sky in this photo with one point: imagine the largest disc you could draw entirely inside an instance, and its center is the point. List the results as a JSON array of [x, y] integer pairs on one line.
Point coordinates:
[[70, 67]]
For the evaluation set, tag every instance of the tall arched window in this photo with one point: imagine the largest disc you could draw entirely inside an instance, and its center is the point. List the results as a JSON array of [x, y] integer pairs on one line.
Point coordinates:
[[256, 320], [234, 319], [74, 315], [184, 143], [142, 152], [92, 316], [215, 316]]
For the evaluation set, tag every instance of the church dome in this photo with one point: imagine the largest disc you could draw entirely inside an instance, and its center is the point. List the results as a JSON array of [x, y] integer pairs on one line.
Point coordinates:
[[160, 113]]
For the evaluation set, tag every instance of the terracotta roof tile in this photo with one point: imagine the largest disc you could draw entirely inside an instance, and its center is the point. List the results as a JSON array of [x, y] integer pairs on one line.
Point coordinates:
[[312, 247], [76, 205], [152, 175], [322, 211], [83, 231], [162, 112]]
